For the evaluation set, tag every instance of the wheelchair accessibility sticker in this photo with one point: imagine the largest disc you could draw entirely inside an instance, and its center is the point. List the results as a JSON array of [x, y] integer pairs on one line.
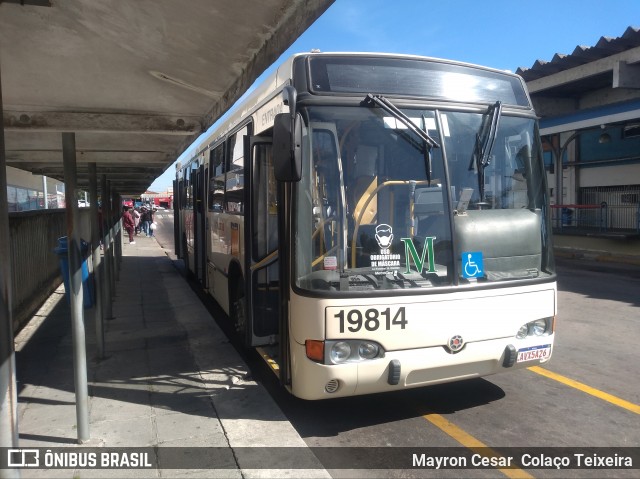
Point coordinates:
[[472, 266]]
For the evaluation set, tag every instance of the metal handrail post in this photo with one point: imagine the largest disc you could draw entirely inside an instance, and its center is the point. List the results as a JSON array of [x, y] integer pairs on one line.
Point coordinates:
[[115, 222], [97, 263], [75, 285], [604, 216], [106, 295], [120, 231], [110, 232]]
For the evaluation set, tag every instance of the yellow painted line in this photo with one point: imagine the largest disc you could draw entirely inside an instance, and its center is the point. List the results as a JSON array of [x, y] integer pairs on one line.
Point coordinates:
[[587, 389], [270, 361], [467, 440]]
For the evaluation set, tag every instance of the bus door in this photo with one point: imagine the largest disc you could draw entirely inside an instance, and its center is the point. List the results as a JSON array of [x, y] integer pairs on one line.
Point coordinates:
[[200, 211], [203, 228], [262, 279], [177, 201]]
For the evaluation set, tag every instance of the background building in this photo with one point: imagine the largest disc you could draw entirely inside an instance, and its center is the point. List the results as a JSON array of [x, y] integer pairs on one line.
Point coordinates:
[[163, 199], [589, 104], [26, 191]]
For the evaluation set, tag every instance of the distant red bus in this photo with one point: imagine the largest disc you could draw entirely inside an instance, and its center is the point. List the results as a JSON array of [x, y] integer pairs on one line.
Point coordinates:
[[163, 201]]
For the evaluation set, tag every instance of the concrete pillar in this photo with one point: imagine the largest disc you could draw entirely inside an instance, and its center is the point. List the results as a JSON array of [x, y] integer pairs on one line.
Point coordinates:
[[75, 286]]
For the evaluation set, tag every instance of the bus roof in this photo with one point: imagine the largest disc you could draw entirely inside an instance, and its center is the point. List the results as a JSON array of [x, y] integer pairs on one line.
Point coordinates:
[[282, 76]]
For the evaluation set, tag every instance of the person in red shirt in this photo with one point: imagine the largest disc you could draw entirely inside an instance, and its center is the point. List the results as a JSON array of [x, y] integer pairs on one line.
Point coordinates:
[[129, 224]]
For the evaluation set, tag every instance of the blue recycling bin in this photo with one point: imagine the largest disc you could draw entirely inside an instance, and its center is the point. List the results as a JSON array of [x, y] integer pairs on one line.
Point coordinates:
[[87, 285]]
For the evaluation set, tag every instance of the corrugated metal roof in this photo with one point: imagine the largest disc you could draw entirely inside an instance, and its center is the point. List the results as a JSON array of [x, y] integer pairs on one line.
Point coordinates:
[[136, 82], [605, 47]]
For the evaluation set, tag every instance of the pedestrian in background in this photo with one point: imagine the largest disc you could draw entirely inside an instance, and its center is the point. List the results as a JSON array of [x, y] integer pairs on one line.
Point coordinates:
[[152, 223], [144, 219], [136, 219], [128, 224]]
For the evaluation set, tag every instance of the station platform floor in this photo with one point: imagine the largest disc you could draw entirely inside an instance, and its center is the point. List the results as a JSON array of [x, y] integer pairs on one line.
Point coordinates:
[[170, 385]]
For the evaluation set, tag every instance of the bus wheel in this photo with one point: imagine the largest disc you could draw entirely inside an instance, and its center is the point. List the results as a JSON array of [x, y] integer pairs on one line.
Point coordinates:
[[238, 310]]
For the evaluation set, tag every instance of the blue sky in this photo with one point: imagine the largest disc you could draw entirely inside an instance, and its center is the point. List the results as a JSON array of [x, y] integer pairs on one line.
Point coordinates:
[[504, 34]]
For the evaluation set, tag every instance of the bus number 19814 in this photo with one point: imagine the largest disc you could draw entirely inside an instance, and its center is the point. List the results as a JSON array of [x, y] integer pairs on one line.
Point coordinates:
[[372, 319]]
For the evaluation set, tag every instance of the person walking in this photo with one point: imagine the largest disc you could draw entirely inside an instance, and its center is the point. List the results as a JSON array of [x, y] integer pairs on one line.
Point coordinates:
[[144, 220], [136, 219], [128, 224]]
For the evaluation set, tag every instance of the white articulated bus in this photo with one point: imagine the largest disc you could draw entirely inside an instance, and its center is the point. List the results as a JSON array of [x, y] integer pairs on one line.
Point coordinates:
[[376, 222]]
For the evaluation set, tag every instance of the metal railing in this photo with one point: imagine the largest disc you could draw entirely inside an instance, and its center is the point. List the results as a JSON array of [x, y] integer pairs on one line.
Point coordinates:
[[623, 203], [602, 218], [35, 267]]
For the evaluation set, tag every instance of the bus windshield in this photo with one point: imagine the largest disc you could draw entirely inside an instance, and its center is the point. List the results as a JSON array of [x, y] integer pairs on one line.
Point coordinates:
[[380, 209]]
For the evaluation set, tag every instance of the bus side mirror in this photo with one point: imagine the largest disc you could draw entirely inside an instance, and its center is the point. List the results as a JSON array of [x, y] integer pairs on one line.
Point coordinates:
[[287, 147]]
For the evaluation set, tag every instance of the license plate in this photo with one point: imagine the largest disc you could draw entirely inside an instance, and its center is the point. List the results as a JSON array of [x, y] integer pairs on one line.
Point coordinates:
[[533, 353]]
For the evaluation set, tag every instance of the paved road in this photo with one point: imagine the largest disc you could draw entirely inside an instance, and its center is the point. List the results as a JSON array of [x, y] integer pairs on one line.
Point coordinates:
[[164, 231], [588, 395], [597, 346]]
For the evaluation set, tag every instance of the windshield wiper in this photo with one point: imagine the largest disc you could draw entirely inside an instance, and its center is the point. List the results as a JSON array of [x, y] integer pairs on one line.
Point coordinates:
[[484, 145], [429, 143]]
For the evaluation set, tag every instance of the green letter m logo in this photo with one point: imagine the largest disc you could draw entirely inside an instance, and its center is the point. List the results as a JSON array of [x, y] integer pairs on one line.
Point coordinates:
[[411, 253]]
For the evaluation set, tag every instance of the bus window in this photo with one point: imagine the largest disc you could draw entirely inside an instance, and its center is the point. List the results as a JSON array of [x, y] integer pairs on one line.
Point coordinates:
[[326, 199], [265, 203], [235, 174], [216, 182], [192, 186], [188, 189]]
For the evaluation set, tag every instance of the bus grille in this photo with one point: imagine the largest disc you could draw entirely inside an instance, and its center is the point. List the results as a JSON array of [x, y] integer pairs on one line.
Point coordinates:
[[332, 386]]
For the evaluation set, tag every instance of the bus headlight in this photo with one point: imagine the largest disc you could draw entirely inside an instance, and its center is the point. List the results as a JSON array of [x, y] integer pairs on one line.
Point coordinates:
[[351, 351], [523, 331], [539, 327], [368, 350], [340, 352]]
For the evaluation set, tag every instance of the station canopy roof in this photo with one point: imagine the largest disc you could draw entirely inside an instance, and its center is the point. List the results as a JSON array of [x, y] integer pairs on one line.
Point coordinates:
[[593, 66], [136, 81]]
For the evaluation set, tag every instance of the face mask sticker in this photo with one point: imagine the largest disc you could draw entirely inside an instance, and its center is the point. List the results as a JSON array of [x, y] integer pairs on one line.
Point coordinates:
[[385, 262], [384, 237]]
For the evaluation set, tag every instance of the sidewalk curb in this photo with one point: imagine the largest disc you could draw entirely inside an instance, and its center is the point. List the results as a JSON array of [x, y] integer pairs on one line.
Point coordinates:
[[171, 379], [598, 256]]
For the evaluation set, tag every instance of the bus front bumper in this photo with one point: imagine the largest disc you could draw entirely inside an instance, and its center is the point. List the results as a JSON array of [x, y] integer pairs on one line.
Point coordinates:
[[415, 367]]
